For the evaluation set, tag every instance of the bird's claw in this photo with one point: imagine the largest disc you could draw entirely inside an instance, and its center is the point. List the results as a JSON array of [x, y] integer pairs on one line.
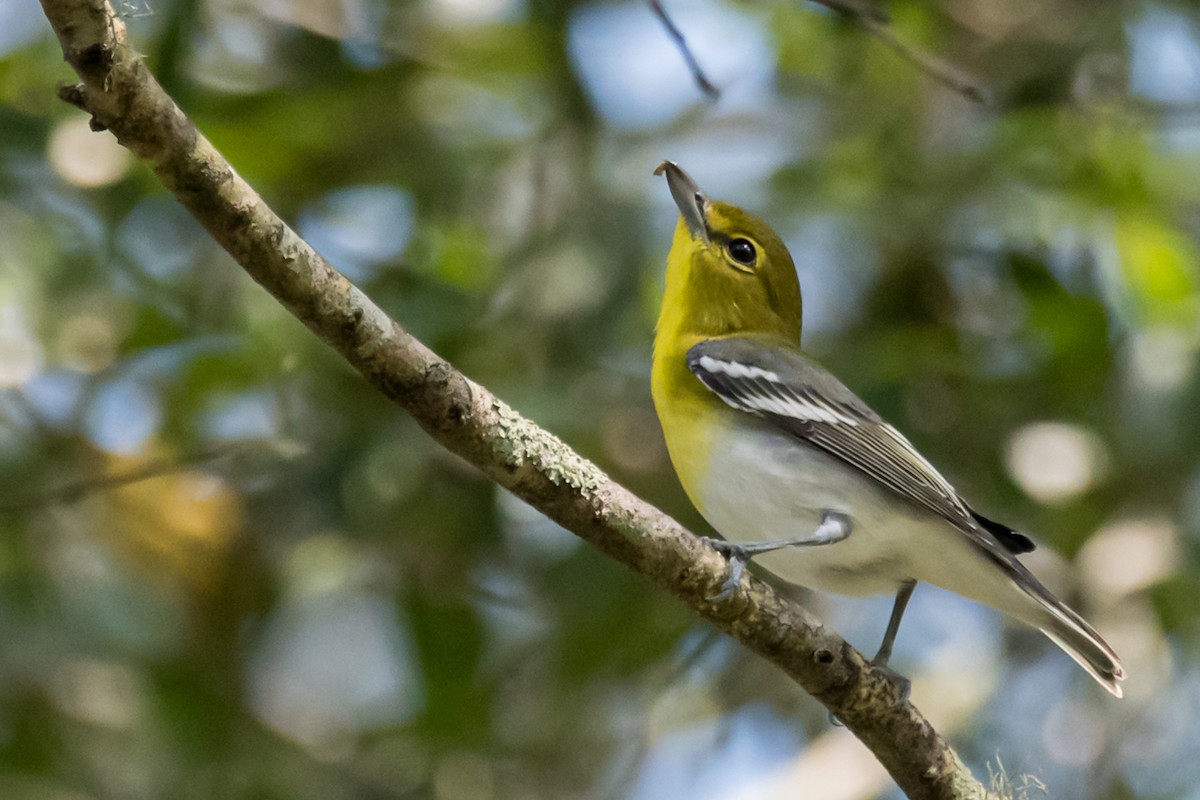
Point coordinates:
[[902, 685], [737, 557], [726, 548]]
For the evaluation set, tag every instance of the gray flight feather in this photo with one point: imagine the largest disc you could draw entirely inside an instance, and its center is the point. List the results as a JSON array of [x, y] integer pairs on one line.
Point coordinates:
[[781, 385], [777, 383]]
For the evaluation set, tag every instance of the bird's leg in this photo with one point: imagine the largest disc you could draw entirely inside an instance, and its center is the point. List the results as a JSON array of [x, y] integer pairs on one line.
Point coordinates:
[[880, 661], [834, 528]]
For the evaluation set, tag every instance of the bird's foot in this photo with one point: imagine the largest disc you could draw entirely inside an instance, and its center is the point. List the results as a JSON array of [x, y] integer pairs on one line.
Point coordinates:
[[835, 526], [737, 558], [901, 684]]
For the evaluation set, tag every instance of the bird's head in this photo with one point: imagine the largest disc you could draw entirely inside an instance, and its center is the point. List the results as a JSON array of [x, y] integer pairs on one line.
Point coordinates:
[[728, 272]]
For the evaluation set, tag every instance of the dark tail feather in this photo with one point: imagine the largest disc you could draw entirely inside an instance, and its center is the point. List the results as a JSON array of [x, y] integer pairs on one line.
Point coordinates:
[[1014, 542], [1081, 642]]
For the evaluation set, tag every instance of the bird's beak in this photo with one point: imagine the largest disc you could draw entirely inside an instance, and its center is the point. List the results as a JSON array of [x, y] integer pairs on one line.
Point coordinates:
[[688, 197]]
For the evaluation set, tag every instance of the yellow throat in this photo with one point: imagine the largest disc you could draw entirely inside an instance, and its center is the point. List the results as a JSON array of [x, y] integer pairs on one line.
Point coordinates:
[[728, 274]]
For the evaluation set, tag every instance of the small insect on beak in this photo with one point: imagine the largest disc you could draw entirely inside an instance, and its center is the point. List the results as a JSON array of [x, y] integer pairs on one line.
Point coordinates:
[[688, 197]]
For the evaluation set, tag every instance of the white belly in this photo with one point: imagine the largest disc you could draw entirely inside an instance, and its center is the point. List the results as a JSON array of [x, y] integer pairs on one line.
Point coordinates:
[[768, 487]]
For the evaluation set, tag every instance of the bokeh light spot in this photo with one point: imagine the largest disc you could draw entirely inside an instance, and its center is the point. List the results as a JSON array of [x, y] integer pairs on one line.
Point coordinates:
[[122, 416], [359, 227], [1054, 462], [475, 12], [87, 342], [1129, 555], [1161, 357], [20, 351], [98, 692], [161, 238], [1072, 733], [83, 157]]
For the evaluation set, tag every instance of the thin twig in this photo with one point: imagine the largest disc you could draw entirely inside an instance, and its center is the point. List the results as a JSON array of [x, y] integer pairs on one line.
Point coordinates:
[[76, 490], [860, 9], [868, 16], [936, 68], [673, 31], [875, 21]]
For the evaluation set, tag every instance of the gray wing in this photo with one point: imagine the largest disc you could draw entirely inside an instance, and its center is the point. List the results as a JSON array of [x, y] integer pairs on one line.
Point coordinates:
[[782, 386]]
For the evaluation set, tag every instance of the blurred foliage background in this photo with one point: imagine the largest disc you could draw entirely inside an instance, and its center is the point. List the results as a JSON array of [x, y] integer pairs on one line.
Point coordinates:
[[229, 569]]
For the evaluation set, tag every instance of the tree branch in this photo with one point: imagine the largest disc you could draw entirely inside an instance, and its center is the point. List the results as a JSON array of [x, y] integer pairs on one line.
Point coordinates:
[[123, 97], [874, 21], [689, 57]]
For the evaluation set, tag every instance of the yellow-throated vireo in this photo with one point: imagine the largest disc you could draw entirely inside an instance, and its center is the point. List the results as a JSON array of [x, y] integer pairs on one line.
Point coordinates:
[[785, 461]]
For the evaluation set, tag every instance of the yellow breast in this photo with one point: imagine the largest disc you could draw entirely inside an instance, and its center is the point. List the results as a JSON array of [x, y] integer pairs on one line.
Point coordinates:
[[689, 415]]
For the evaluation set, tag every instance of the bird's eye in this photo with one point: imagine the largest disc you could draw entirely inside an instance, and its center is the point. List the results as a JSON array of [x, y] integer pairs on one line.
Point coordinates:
[[742, 251]]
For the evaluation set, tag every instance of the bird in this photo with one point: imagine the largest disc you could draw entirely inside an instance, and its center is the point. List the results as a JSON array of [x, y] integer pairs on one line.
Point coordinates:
[[793, 470]]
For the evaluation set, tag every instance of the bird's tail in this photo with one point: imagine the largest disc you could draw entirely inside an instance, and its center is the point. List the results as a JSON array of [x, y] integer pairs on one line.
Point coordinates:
[[1078, 640]]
